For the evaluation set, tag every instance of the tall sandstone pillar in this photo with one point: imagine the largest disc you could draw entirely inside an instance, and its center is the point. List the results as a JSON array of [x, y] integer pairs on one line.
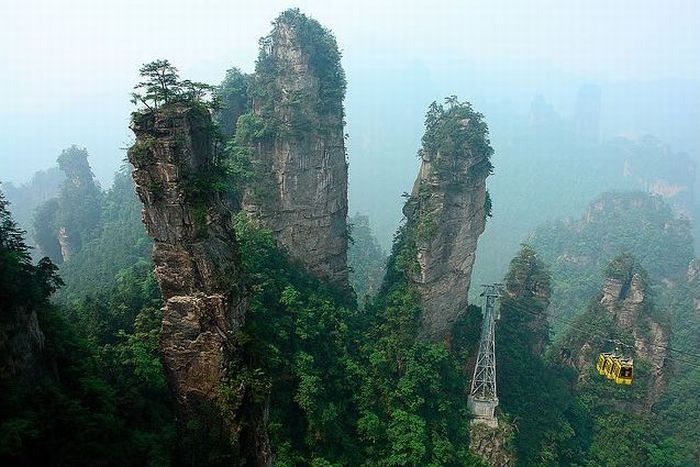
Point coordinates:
[[199, 274], [446, 212], [301, 192]]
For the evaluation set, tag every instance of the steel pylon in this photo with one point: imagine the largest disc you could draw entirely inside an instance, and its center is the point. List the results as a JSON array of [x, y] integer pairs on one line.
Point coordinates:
[[483, 396]]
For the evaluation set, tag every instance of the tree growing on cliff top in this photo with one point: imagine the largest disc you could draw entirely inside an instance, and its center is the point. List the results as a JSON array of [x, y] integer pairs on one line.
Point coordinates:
[[161, 85]]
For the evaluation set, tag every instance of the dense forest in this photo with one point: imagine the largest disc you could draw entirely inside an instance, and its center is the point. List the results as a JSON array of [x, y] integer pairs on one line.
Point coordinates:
[[217, 306]]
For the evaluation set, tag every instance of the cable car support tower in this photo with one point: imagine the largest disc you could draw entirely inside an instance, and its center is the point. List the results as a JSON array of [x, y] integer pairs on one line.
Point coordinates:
[[483, 397]]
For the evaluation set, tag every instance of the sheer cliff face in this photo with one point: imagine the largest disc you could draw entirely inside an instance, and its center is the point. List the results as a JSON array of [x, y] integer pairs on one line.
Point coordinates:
[[303, 196], [21, 344], [446, 213], [526, 299], [196, 265], [626, 307], [627, 300]]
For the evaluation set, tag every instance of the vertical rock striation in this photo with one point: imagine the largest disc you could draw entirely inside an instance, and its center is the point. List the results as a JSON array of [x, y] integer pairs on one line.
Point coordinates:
[[447, 212], [625, 314], [298, 149], [198, 270], [626, 298]]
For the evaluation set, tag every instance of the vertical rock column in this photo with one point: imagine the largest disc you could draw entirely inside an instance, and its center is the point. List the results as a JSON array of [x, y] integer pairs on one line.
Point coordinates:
[[626, 297], [446, 212], [198, 270], [299, 93]]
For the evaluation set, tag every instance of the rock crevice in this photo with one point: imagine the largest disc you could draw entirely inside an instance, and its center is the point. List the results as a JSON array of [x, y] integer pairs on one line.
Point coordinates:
[[199, 274], [302, 197]]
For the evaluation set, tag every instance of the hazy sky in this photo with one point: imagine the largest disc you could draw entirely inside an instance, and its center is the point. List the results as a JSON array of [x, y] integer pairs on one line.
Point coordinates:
[[67, 67]]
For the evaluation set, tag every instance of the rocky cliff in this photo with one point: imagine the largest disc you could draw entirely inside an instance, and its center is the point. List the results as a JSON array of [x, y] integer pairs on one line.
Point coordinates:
[[298, 147], [24, 293], [493, 445], [627, 320], [21, 344], [63, 224], [626, 298], [446, 212], [526, 298], [198, 270]]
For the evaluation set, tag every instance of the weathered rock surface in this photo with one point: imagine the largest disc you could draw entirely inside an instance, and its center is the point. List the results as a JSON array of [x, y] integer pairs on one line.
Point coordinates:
[[625, 297], [446, 212], [528, 287], [493, 444], [198, 270], [303, 197], [627, 301], [21, 344]]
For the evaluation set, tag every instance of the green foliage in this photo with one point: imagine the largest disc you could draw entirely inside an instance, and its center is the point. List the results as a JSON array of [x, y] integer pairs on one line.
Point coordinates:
[[366, 258], [615, 223], [120, 243], [234, 97], [350, 387], [45, 227], [95, 392], [298, 329], [455, 130], [537, 394], [245, 168], [22, 284], [75, 215], [412, 402], [162, 86], [488, 205]]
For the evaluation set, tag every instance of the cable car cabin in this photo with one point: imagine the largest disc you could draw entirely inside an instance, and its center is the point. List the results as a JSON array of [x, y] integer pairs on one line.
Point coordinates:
[[600, 366], [623, 370], [610, 359], [615, 367]]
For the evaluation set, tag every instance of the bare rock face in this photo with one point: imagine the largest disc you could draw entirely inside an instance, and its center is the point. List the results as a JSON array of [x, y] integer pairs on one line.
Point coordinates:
[[624, 298], [301, 194], [198, 270], [627, 300], [64, 242], [446, 213], [493, 445]]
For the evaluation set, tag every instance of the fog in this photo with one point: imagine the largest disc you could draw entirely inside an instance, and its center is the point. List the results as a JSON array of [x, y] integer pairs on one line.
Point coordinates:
[[68, 68], [516, 282]]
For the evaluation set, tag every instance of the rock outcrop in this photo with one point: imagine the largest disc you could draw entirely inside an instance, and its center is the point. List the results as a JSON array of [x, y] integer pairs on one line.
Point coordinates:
[[198, 271], [626, 297], [300, 192], [446, 212], [626, 305], [526, 299], [494, 445], [21, 344], [24, 294], [63, 224]]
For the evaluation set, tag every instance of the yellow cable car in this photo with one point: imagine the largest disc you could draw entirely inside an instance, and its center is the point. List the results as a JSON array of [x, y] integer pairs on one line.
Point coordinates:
[[609, 362], [623, 371], [615, 367], [600, 366]]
